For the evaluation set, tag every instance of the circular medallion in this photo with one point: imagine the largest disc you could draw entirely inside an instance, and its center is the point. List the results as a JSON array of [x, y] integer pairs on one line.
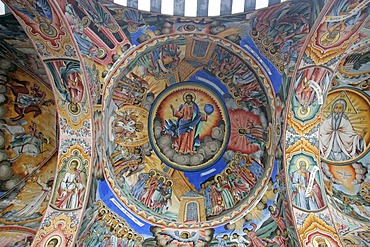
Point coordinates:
[[48, 30], [188, 126], [344, 131]]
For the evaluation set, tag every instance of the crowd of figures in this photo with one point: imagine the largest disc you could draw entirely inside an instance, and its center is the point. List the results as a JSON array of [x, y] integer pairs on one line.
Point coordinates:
[[239, 78], [153, 190], [130, 91], [100, 235], [228, 188], [104, 228]]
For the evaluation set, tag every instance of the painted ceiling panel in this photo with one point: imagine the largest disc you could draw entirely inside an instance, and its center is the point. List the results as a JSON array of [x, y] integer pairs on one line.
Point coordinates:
[[179, 131]]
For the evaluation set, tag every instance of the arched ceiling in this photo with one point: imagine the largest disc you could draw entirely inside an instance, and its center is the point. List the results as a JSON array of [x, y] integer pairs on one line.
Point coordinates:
[[139, 128]]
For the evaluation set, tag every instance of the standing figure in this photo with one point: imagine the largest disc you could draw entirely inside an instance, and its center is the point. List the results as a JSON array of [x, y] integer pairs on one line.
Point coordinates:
[[225, 189], [216, 199], [304, 197], [86, 46], [71, 188], [304, 93], [137, 189], [278, 239], [242, 242], [338, 139], [279, 220], [163, 202], [206, 192], [254, 240], [188, 126], [222, 242], [70, 86], [150, 188]]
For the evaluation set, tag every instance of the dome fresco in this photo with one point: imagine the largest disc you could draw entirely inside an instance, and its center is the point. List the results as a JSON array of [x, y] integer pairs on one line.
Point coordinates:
[[123, 127], [195, 114]]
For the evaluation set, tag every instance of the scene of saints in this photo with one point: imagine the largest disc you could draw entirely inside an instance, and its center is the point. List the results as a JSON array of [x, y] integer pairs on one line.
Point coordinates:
[[249, 133], [71, 188], [335, 31], [13, 237], [224, 65], [153, 190], [30, 142], [41, 14], [130, 90], [351, 206], [33, 208], [274, 34], [266, 225], [345, 183], [225, 190], [340, 139], [28, 99], [127, 161], [186, 237], [126, 125], [98, 15], [196, 128], [356, 64], [160, 62], [306, 192], [98, 234], [220, 192], [240, 80]]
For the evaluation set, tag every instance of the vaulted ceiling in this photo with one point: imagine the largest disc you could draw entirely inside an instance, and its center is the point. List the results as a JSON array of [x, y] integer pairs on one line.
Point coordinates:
[[133, 128]]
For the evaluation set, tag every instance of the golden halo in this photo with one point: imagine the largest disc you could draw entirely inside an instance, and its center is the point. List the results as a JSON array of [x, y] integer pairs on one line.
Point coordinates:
[[58, 238], [72, 110], [85, 21], [238, 156], [162, 177], [132, 28], [114, 28], [70, 162], [186, 93], [302, 159], [185, 232], [216, 177], [268, 142], [152, 173], [331, 40], [48, 30], [301, 112], [103, 211], [320, 240], [341, 99], [364, 84], [101, 53]]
